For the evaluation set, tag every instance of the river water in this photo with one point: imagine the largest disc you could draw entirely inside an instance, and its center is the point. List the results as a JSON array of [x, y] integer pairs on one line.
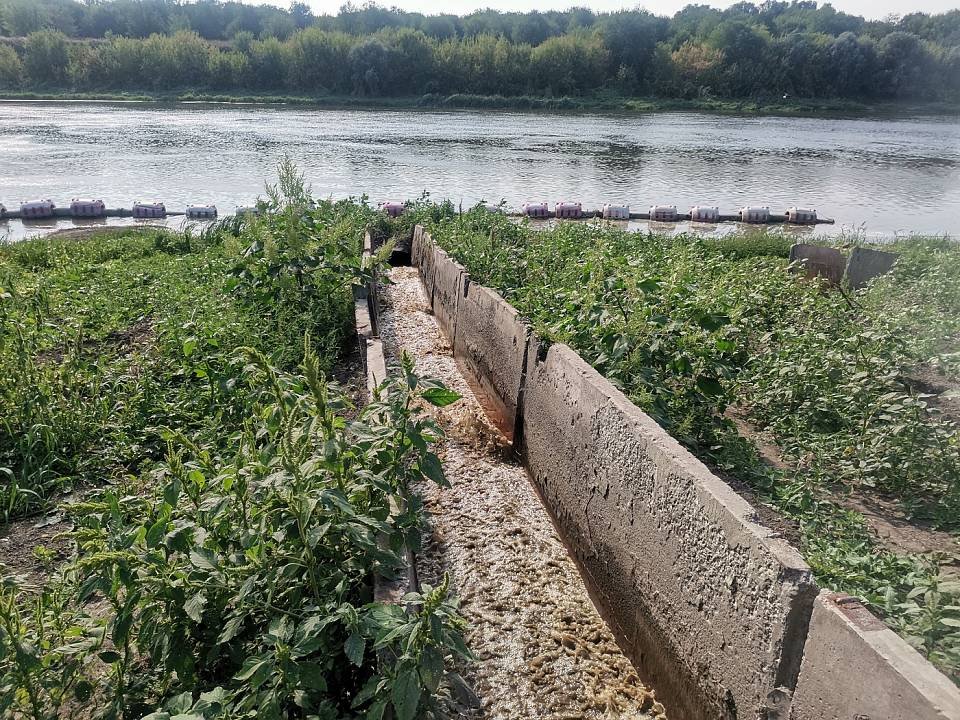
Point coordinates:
[[878, 177]]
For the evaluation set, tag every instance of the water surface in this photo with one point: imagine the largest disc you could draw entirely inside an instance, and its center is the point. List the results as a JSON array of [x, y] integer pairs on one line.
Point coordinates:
[[878, 176]]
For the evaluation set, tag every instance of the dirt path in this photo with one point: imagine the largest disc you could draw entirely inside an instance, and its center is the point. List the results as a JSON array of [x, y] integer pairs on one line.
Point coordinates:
[[543, 650]]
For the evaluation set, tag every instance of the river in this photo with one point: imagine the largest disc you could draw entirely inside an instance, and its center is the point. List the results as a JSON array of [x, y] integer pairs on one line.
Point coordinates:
[[877, 177]]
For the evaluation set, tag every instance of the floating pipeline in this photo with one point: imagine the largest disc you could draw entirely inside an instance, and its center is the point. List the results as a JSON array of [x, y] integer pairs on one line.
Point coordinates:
[[56, 212], [564, 210]]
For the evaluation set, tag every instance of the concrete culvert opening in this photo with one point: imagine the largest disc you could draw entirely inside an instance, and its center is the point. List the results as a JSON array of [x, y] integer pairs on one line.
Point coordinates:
[[400, 257]]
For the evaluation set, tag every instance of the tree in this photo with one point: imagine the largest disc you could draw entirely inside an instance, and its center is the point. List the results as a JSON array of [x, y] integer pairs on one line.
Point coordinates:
[[695, 68], [852, 65], [45, 57], [794, 47], [319, 60], [570, 64], [369, 64], [22, 17], [905, 65], [631, 38], [746, 56], [301, 15], [11, 68]]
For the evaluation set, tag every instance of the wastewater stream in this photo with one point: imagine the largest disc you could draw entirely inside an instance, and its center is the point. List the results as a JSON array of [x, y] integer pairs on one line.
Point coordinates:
[[543, 651]]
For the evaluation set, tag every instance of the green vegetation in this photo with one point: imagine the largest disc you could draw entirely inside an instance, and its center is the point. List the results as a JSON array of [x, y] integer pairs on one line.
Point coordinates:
[[230, 506], [601, 102], [700, 332], [759, 55]]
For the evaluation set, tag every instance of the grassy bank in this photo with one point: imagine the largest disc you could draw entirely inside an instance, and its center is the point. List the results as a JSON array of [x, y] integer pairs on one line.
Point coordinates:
[[598, 103], [229, 507], [811, 400]]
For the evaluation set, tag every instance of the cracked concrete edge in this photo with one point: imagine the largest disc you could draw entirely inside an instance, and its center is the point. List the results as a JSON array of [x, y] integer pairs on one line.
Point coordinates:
[[422, 257], [490, 344], [854, 666], [366, 309]]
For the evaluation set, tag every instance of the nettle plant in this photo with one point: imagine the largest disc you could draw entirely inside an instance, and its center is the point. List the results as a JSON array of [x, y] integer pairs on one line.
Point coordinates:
[[230, 585], [300, 260]]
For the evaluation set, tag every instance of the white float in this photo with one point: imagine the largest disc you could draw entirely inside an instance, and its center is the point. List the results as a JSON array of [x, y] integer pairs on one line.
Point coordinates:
[[37, 209], [615, 212], [664, 213], [87, 208]]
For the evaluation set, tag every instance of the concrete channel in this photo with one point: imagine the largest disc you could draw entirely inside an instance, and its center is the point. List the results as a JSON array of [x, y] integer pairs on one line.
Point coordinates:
[[543, 649], [606, 516]]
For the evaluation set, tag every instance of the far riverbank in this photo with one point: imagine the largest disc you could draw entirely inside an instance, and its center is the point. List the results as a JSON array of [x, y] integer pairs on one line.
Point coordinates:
[[601, 102]]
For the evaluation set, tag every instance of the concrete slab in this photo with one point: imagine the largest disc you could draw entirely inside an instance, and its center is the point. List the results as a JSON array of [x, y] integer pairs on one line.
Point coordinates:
[[491, 347], [448, 279], [426, 262], [416, 245], [818, 261], [866, 264], [711, 607], [856, 668]]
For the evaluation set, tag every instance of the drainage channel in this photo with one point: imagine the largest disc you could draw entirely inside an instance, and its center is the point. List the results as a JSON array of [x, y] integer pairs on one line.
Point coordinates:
[[543, 651]]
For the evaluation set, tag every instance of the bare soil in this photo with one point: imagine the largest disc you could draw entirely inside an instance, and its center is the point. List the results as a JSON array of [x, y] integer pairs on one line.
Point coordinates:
[[543, 650], [893, 528], [18, 548], [138, 337], [770, 454], [899, 533], [944, 392]]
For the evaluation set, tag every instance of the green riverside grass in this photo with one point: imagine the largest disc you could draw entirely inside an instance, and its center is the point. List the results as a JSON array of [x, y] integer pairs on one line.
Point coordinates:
[[598, 102], [696, 329], [230, 508]]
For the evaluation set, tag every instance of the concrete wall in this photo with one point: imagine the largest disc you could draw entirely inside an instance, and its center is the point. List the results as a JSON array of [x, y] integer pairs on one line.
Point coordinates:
[[816, 260], [856, 668], [866, 264], [491, 347], [448, 282], [422, 255], [417, 246], [712, 608]]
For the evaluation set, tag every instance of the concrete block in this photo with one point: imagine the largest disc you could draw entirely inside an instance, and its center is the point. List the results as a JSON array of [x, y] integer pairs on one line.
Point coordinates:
[[818, 261], [448, 279], [491, 348], [866, 264], [711, 607], [416, 245], [427, 264], [856, 668]]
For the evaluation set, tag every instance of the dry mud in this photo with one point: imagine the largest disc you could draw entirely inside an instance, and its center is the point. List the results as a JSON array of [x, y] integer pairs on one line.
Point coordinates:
[[543, 651]]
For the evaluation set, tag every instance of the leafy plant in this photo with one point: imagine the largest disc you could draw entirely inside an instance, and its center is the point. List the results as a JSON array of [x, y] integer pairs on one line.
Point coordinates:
[[240, 584]]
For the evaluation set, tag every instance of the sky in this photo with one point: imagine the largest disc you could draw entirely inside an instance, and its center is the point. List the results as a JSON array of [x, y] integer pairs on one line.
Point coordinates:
[[871, 9]]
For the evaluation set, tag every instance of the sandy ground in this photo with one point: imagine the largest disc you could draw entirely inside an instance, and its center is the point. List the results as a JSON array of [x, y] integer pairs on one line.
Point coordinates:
[[543, 651]]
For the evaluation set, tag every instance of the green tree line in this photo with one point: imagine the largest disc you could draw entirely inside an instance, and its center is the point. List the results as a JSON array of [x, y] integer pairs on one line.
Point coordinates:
[[797, 49]]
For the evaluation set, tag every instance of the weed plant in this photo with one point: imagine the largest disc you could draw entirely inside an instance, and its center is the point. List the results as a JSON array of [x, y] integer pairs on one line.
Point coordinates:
[[104, 342], [236, 581], [232, 508]]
